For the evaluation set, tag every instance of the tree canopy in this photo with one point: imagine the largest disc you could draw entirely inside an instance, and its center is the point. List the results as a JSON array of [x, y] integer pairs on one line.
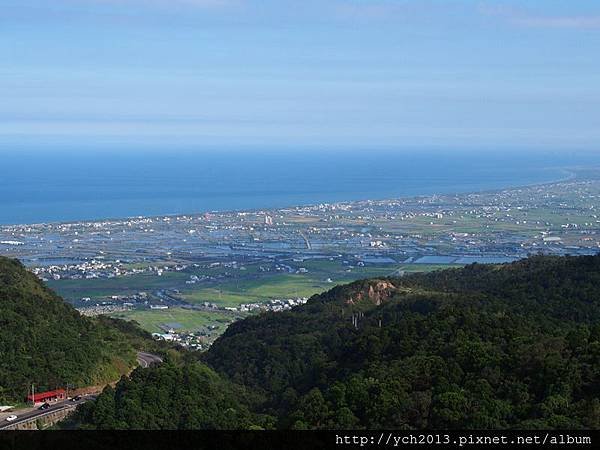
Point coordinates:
[[485, 346], [44, 340]]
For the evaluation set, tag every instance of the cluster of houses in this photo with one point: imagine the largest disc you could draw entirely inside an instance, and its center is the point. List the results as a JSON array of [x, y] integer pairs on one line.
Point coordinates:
[[99, 269], [193, 340], [271, 305]]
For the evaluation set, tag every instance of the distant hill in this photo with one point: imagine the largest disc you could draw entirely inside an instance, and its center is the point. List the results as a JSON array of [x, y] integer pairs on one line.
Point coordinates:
[[45, 341], [486, 346]]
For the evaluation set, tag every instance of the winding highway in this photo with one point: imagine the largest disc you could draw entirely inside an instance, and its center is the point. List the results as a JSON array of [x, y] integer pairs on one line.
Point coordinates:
[[144, 360], [148, 359]]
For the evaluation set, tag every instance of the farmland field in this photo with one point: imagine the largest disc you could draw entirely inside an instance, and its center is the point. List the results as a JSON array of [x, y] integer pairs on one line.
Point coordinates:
[[190, 320]]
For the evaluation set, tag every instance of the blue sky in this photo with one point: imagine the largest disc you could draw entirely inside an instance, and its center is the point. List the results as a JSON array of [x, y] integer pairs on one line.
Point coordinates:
[[327, 73]]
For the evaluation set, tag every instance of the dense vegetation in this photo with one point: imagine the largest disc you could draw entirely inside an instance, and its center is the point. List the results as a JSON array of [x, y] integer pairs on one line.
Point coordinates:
[[45, 341], [511, 346], [481, 347], [182, 395]]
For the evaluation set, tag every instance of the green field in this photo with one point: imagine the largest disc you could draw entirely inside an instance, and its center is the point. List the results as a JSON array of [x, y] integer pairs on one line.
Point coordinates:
[[190, 320], [261, 289], [103, 287]]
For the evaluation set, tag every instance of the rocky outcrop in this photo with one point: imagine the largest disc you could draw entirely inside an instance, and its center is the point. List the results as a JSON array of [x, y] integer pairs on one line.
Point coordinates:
[[377, 292]]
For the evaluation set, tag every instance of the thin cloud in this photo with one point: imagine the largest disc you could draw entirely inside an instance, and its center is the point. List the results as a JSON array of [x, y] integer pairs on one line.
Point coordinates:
[[366, 11], [579, 22], [177, 3], [521, 17]]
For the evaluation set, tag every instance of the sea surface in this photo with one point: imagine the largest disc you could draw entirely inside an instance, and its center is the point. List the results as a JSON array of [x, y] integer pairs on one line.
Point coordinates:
[[61, 186]]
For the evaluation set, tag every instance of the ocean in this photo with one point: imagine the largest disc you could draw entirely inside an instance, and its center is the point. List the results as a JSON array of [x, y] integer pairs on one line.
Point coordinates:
[[62, 186]]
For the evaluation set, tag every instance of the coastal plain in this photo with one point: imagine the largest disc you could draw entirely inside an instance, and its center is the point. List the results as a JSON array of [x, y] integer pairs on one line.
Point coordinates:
[[189, 276]]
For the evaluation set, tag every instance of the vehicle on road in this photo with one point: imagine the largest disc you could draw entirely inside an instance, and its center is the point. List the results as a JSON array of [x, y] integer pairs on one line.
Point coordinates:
[[44, 406], [76, 398], [11, 418]]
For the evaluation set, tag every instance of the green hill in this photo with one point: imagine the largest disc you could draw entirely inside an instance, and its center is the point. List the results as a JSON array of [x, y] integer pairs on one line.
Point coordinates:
[[45, 341], [174, 395], [486, 346], [510, 346]]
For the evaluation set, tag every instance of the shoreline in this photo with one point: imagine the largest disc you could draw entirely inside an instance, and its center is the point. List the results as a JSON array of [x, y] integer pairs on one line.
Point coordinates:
[[569, 172]]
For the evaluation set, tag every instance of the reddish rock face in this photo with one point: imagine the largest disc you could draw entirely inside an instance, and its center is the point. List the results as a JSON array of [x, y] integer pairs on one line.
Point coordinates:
[[382, 290], [378, 292]]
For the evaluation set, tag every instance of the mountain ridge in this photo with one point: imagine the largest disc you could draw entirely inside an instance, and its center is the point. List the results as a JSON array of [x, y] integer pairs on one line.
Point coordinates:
[[491, 331], [45, 341]]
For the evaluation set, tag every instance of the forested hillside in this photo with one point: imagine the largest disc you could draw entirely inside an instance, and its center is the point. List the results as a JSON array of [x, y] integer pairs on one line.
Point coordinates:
[[45, 341], [511, 346], [481, 347], [173, 395]]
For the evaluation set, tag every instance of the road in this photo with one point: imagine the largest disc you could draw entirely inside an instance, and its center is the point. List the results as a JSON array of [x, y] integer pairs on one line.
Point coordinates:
[[144, 360], [147, 359], [30, 413]]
